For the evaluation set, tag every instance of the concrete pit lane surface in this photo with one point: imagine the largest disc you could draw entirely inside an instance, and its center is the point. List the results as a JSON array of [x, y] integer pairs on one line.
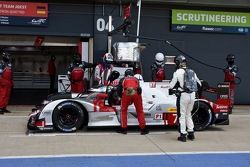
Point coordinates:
[[217, 146]]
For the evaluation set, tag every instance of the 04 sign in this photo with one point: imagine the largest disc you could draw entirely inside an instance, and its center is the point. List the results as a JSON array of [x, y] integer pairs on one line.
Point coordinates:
[[102, 25]]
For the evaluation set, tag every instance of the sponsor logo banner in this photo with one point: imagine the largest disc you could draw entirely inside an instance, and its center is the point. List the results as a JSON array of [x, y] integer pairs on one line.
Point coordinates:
[[23, 13], [210, 21]]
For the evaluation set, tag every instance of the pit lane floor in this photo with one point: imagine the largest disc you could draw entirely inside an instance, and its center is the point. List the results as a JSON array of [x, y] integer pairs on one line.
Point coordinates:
[[217, 146]]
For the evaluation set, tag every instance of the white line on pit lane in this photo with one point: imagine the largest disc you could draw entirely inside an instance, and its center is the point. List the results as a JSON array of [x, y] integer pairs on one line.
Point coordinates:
[[124, 154], [82, 134]]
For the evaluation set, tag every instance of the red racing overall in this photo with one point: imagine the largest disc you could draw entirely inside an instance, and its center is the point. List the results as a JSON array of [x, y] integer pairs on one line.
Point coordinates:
[[5, 87], [77, 82], [130, 95], [160, 74], [230, 73]]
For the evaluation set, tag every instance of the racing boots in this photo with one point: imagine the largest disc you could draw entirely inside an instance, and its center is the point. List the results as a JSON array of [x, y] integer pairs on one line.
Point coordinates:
[[182, 137], [122, 131], [144, 131], [190, 136]]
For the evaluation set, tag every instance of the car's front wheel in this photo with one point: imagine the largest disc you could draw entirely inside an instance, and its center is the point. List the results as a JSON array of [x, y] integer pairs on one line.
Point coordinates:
[[202, 116], [68, 117]]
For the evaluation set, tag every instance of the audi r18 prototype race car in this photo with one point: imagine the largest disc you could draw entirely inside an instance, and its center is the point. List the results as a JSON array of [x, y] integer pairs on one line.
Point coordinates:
[[72, 112]]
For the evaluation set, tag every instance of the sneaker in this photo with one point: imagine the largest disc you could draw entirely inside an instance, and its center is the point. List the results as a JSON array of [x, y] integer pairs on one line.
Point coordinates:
[[182, 138], [6, 111], [1, 111], [122, 131], [191, 136], [144, 131]]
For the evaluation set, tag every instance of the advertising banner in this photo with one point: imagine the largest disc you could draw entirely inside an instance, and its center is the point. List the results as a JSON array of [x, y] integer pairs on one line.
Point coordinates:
[[23, 13], [210, 21]]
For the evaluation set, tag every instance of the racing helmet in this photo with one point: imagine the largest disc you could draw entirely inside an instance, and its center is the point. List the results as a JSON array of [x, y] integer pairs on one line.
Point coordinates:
[[180, 61], [230, 58], [108, 58], [129, 72], [5, 56], [159, 58]]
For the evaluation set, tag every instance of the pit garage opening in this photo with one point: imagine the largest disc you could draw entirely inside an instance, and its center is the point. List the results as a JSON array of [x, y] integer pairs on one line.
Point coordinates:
[[30, 65]]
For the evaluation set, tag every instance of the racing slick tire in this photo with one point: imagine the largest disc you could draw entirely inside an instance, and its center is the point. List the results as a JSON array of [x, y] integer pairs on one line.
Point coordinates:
[[202, 116], [68, 117]]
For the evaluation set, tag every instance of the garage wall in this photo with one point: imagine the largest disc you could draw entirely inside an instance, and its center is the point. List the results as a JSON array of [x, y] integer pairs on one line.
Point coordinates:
[[63, 20], [209, 48]]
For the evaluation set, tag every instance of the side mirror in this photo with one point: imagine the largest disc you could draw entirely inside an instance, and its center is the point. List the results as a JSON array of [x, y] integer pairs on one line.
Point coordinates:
[[113, 76]]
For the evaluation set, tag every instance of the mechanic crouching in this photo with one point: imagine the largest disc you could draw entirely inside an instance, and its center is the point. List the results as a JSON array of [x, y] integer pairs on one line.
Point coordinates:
[[185, 99], [130, 92]]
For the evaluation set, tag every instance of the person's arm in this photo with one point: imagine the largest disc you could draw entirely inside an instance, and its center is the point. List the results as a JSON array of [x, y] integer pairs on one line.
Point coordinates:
[[234, 70], [173, 81], [97, 74], [120, 87], [1, 68], [197, 80], [153, 72], [70, 68], [88, 65]]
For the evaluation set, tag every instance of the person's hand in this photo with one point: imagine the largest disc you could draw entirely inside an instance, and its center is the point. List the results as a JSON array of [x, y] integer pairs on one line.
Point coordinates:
[[170, 91]]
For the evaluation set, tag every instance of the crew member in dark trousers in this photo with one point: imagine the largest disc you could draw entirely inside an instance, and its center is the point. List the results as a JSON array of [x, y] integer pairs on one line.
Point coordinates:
[[158, 73], [6, 82], [230, 76], [52, 73], [130, 92], [185, 99]]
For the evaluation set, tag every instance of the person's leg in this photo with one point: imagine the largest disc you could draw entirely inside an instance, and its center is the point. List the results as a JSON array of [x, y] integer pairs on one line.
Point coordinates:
[[189, 120], [125, 101], [139, 110], [182, 118]]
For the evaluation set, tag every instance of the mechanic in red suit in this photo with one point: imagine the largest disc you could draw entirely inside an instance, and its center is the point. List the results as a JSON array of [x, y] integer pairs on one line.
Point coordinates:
[[230, 75], [158, 73], [76, 74], [6, 82], [130, 92]]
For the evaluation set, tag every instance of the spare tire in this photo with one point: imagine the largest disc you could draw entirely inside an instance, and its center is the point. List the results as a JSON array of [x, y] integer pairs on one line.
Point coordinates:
[[68, 117], [202, 115]]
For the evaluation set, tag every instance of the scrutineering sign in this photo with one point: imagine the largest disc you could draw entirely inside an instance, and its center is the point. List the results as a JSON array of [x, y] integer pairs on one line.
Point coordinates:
[[210, 21]]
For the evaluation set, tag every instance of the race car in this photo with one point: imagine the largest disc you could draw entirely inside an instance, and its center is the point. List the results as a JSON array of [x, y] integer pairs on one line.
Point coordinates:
[[101, 108]]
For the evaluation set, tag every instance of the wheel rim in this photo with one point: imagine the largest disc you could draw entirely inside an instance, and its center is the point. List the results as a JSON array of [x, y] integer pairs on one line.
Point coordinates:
[[68, 117], [201, 118]]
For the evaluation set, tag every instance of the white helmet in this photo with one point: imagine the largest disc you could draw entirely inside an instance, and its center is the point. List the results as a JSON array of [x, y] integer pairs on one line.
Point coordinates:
[[159, 58], [108, 58]]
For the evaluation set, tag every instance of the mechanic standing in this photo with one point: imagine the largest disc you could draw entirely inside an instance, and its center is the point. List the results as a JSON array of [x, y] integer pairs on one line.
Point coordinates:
[[230, 73], [130, 92], [185, 99], [52, 73], [6, 82], [103, 70], [158, 73], [76, 74]]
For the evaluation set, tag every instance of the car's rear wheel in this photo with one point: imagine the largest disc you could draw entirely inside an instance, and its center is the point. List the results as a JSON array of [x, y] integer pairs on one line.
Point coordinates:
[[202, 116], [68, 117]]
